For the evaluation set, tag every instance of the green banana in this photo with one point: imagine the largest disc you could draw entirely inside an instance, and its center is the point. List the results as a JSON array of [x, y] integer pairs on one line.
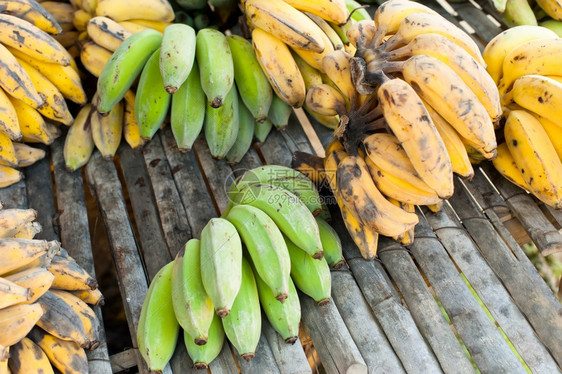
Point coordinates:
[[251, 81], [177, 54], [221, 258], [287, 211], [262, 130], [192, 4], [243, 325], [266, 247], [357, 11], [216, 66], [192, 306], [519, 12], [553, 25], [158, 329], [202, 355], [284, 318], [152, 100], [279, 112], [331, 244], [124, 66], [187, 114], [245, 135], [222, 124], [311, 276]]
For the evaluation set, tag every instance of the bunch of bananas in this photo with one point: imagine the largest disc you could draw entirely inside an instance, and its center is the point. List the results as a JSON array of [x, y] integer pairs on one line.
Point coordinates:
[[45, 318], [266, 245], [546, 13], [37, 74], [524, 62]]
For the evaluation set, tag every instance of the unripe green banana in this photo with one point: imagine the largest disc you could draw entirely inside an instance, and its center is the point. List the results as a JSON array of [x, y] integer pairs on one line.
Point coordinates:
[[311, 276], [158, 329], [553, 25], [177, 54], [279, 112], [202, 355], [266, 247], [245, 135], [191, 4], [152, 100], [331, 244], [215, 63], [284, 318], [357, 12], [222, 124], [192, 306], [252, 83], [188, 111], [262, 130], [243, 325], [287, 211], [124, 66], [221, 259]]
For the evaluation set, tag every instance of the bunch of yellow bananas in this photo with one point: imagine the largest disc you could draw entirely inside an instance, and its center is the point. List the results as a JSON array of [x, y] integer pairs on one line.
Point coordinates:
[[45, 318], [214, 287], [525, 63]]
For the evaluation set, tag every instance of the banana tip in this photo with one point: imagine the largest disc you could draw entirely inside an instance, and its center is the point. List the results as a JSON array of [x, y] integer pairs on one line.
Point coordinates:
[[200, 341], [222, 312], [248, 356], [324, 301], [291, 340], [216, 102], [339, 264], [318, 255], [282, 297], [171, 89], [201, 365]]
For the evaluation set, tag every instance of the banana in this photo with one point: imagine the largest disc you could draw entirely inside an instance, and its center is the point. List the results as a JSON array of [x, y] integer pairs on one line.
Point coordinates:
[[287, 211], [262, 130], [131, 129], [251, 81], [192, 4], [9, 123], [16, 253], [29, 230], [79, 142], [221, 256], [310, 75], [32, 125], [553, 131], [16, 321], [125, 65], [534, 156], [122, 10], [202, 355], [553, 25], [31, 40], [38, 280], [158, 329], [242, 325], [27, 155], [518, 12], [331, 244], [216, 67], [66, 356], [62, 13], [37, 14], [192, 306], [329, 32], [152, 100], [310, 166], [67, 39], [177, 54], [361, 33], [325, 100], [187, 113], [133, 27], [505, 164], [28, 357], [106, 33], [540, 95], [94, 57], [54, 106], [7, 151], [222, 124], [159, 26], [245, 135], [410, 122], [69, 275], [280, 67], [15, 81], [279, 113], [9, 176], [285, 23], [266, 246], [552, 7], [12, 293], [92, 297], [81, 19], [337, 67], [331, 10], [107, 130], [315, 58], [407, 237], [462, 109], [357, 11]]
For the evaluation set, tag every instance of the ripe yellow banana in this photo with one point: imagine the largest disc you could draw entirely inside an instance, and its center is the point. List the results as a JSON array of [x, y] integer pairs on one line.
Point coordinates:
[[539, 94], [280, 67], [159, 26], [28, 357], [122, 10], [133, 27], [80, 20], [325, 100], [12, 293], [92, 297], [9, 123], [334, 11], [131, 128], [407, 238], [310, 75], [326, 27], [106, 33], [33, 127], [551, 7], [37, 14], [7, 151], [315, 58], [336, 65], [62, 13], [66, 356], [69, 275], [361, 33], [29, 230], [79, 143], [16, 321], [107, 130], [9, 176], [27, 155], [16, 253], [12, 220], [553, 131], [37, 279], [505, 164], [15, 81], [94, 57]]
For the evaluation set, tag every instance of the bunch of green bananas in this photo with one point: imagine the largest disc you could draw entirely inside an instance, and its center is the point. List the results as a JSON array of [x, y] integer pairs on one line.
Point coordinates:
[[270, 242], [546, 13], [524, 62]]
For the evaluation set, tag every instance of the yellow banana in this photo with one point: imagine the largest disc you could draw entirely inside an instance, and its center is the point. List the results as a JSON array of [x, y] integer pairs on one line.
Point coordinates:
[[79, 143], [94, 57], [107, 130], [553, 131], [332, 35], [315, 58], [33, 12], [361, 33], [27, 155], [89, 5], [33, 127], [7, 151], [15, 81], [62, 12], [131, 129], [106, 33], [155, 25], [122, 10], [325, 100], [66, 356], [330, 10], [92, 297], [132, 27], [29, 230], [12, 220], [16, 253], [552, 7], [80, 20], [336, 65], [16, 321], [26, 357], [12, 293], [540, 95], [9, 176], [505, 164], [70, 276], [37, 279], [67, 38], [9, 124]]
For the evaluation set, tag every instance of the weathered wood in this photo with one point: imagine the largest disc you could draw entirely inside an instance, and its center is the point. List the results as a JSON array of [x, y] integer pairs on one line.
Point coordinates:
[[545, 236], [556, 214], [170, 209], [181, 362], [224, 363], [529, 291], [290, 358], [362, 325], [75, 238], [275, 150], [324, 134], [250, 160], [14, 196], [263, 362], [477, 19], [311, 135], [335, 346], [295, 137], [123, 360], [481, 337], [423, 307], [102, 177]]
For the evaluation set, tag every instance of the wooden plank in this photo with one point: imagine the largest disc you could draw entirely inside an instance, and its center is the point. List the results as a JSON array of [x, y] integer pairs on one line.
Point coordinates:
[[324, 134], [362, 325], [275, 150], [525, 285], [224, 363], [477, 19], [290, 358], [295, 137], [123, 360], [75, 238], [102, 177], [335, 346], [250, 160], [263, 362], [14, 196], [481, 337], [181, 362], [312, 136], [173, 218], [545, 236], [422, 306]]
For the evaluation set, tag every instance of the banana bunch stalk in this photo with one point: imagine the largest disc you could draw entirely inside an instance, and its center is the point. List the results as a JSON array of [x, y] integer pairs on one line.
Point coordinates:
[[45, 300], [522, 61], [272, 240]]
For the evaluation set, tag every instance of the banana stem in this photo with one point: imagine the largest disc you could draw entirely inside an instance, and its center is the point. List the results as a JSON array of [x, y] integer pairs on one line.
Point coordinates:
[[397, 54], [393, 67]]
